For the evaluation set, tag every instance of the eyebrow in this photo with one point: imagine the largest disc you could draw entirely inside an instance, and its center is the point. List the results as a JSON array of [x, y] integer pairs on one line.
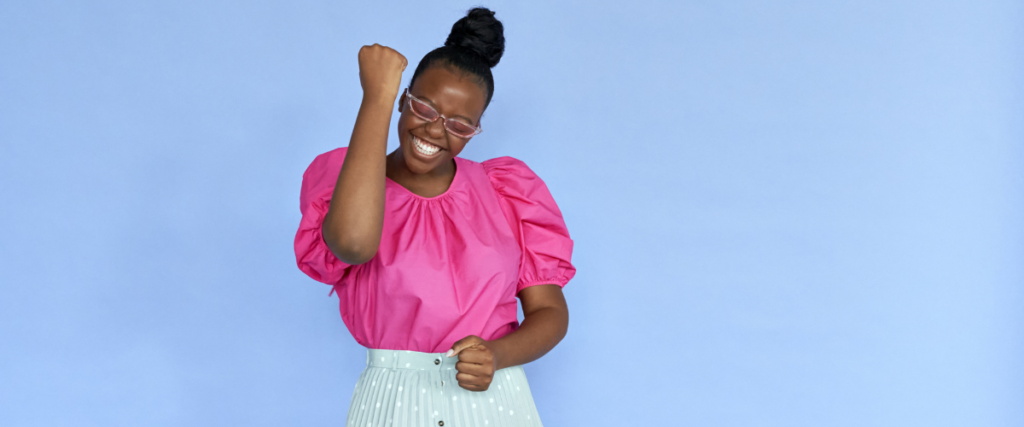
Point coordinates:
[[435, 108]]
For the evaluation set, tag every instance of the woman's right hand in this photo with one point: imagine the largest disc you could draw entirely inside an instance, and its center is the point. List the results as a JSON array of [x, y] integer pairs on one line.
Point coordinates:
[[380, 70]]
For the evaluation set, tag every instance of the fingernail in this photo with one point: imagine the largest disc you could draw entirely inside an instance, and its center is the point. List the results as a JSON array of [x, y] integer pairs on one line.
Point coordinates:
[[450, 352]]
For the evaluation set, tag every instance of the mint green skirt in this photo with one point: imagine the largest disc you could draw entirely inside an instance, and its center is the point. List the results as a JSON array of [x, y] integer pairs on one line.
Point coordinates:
[[402, 388]]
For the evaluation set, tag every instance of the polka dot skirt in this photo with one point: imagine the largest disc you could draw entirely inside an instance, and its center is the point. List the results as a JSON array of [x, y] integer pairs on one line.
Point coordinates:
[[412, 389]]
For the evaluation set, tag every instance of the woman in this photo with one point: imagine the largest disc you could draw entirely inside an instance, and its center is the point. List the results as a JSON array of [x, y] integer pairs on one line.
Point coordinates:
[[428, 251]]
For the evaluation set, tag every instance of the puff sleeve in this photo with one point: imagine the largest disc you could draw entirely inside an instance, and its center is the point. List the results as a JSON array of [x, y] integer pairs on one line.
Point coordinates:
[[311, 253], [535, 218]]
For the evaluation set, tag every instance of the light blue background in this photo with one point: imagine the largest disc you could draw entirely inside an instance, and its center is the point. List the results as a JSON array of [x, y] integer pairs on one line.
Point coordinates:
[[787, 214]]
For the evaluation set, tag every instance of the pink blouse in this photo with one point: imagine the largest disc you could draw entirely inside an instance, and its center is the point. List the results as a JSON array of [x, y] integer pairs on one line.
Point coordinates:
[[447, 266]]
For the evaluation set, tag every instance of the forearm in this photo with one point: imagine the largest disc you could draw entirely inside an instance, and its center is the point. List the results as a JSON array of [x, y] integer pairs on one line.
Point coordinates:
[[355, 219], [540, 331]]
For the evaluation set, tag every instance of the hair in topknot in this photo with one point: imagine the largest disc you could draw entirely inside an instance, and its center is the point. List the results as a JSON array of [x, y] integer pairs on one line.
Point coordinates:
[[474, 45], [480, 33]]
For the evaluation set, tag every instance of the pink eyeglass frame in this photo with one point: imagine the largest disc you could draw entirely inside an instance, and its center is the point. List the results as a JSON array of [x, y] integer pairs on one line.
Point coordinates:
[[408, 99]]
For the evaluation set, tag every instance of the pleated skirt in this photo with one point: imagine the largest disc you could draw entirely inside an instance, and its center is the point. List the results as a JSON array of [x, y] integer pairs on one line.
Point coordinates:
[[402, 388]]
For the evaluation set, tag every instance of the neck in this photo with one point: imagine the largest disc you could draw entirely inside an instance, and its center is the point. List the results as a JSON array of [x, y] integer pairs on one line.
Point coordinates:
[[398, 170]]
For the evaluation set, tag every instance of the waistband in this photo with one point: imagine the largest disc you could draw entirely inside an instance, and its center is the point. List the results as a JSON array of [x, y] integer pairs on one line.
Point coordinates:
[[405, 359]]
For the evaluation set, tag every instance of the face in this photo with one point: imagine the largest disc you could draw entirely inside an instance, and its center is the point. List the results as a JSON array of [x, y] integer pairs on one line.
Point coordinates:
[[452, 94]]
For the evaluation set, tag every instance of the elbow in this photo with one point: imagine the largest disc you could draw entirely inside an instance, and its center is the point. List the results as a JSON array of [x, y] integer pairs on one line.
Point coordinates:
[[559, 318], [350, 257], [347, 253], [564, 324]]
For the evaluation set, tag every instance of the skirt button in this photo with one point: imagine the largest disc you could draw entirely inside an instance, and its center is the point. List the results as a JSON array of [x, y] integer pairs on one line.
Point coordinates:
[[437, 362], [440, 423]]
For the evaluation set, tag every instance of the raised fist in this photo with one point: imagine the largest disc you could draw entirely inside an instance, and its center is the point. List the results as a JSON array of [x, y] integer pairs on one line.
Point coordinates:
[[380, 70]]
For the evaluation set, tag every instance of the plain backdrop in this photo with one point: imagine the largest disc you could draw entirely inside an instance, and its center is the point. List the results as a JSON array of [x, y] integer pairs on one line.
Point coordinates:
[[794, 213]]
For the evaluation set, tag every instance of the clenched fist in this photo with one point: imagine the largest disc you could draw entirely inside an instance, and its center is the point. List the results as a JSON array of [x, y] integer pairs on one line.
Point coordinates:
[[476, 365], [380, 70]]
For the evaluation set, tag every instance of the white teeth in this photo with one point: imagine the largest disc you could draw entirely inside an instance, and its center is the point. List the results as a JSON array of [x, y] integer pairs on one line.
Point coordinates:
[[422, 147]]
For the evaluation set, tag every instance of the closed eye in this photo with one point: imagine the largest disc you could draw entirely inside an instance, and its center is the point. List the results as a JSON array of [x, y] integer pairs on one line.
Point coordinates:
[[424, 108], [433, 112]]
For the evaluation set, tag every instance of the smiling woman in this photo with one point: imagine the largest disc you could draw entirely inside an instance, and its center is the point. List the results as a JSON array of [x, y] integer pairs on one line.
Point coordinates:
[[428, 251], [450, 97]]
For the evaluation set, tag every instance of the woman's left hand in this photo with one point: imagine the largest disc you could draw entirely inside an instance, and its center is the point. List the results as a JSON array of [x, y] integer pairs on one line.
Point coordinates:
[[477, 363]]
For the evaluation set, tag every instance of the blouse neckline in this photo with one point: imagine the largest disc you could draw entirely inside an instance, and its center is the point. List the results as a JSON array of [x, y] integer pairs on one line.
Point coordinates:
[[451, 187]]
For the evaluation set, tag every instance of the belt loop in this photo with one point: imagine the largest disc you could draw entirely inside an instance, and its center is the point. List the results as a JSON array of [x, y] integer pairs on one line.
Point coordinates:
[[394, 360]]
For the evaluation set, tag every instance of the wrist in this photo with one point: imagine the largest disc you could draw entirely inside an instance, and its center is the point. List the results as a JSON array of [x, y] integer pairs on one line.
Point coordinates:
[[380, 97], [498, 352]]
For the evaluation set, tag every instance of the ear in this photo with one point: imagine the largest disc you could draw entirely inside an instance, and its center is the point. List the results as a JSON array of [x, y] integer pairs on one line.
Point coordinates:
[[401, 102]]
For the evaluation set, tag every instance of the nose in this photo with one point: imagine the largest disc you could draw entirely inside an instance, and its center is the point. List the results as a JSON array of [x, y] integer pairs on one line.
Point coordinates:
[[436, 128]]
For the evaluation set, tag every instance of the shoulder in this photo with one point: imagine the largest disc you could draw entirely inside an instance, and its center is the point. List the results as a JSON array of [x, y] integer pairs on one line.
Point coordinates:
[[505, 163], [321, 174], [508, 171], [335, 156], [325, 164], [513, 179]]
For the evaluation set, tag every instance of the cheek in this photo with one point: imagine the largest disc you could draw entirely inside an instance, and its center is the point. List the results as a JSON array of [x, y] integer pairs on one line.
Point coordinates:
[[405, 125], [456, 145], [403, 129]]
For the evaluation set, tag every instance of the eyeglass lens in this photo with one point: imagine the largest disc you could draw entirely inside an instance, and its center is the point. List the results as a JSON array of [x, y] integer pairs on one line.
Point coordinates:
[[426, 112]]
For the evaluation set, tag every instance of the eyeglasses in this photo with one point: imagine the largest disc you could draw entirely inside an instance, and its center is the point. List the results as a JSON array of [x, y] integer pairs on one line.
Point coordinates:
[[454, 126]]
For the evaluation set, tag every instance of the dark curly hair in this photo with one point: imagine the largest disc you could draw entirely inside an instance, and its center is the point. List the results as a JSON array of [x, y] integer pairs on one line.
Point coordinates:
[[474, 46]]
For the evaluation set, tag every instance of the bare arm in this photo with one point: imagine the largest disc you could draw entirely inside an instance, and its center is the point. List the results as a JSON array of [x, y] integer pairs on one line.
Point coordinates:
[[354, 222], [355, 219], [545, 324]]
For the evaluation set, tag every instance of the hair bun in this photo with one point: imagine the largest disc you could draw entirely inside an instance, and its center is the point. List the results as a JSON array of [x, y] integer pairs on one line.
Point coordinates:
[[480, 33]]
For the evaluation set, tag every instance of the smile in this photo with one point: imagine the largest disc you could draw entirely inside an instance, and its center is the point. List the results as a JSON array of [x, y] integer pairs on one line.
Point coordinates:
[[424, 148]]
